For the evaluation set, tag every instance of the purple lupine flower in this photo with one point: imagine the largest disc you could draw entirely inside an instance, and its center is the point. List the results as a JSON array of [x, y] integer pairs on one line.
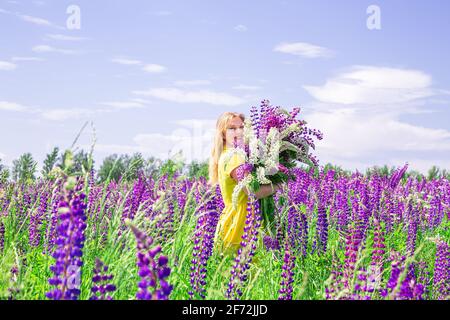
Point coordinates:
[[410, 289], [51, 230], [203, 246], [271, 243], [243, 170], [361, 289], [396, 270], [322, 228], [287, 275], [412, 233], [2, 236], [101, 288], [255, 120], [165, 223], [441, 283], [376, 191], [153, 270], [352, 245], [423, 277], [220, 204], [335, 284], [24, 202], [247, 250], [406, 289], [295, 230], [397, 176], [386, 210], [326, 188], [36, 220], [342, 204], [379, 250], [70, 241], [134, 199]]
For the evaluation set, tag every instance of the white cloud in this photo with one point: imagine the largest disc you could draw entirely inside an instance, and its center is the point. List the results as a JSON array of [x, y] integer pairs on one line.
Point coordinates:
[[67, 114], [247, 87], [422, 165], [63, 37], [35, 20], [46, 48], [189, 83], [303, 49], [31, 19], [154, 68], [122, 104], [141, 101], [126, 61], [150, 68], [373, 85], [7, 66], [192, 136], [61, 114], [241, 28], [358, 112], [12, 106], [352, 135], [199, 96], [203, 124], [26, 59]]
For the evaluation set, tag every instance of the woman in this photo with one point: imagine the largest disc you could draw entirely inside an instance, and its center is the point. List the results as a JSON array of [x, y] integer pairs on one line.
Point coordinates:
[[229, 132]]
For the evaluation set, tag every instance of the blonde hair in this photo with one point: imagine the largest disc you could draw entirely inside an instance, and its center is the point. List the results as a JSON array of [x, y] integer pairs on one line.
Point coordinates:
[[218, 142]]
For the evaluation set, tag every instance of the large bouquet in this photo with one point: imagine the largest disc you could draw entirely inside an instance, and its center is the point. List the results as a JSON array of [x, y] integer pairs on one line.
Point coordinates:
[[274, 141]]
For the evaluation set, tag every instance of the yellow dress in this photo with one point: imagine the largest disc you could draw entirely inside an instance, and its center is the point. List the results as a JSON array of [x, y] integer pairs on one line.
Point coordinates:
[[231, 223]]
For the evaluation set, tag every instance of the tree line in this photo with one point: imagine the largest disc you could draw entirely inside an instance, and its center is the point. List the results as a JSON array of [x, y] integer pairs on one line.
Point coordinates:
[[126, 167], [114, 167]]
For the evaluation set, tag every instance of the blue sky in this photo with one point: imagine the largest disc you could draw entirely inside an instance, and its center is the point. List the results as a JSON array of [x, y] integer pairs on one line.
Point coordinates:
[[153, 76]]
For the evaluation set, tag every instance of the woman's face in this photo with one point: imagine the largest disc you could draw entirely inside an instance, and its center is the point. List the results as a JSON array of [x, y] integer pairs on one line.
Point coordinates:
[[234, 131]]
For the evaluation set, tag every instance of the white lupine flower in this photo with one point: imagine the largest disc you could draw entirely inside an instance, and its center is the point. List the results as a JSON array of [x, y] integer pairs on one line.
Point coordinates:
[[252, 141], [271, 167], [261, 175], [249, 133], [237, 189], [254, 150], [262, 151], [271, 160]]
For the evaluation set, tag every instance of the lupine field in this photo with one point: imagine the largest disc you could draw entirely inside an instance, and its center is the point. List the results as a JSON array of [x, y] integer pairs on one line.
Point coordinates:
[[337, 237]]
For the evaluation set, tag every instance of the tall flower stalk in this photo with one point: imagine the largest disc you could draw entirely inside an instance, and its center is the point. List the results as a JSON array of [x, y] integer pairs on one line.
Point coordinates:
[[70, 242], [101, 288], [287, 275], [153, 269], [441, 283], [203, 246], [246, 251]]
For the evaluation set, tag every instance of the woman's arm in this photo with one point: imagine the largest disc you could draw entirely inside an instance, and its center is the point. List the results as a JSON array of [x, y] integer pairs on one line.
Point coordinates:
[[265, 190]]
